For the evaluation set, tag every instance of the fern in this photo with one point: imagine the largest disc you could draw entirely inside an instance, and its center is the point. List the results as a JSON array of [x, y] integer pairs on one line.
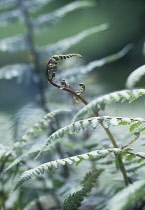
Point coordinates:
[[74, 200], [65, 44], [42, 123], [135, 76], [128, 196], [18, 71], [54, 164], [9, 17], [75, 127], [101, 102], [59, 13], [9, 44]]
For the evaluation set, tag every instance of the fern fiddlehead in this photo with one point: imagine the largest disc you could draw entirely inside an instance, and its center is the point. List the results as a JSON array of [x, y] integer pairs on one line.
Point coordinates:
[[50, 75]]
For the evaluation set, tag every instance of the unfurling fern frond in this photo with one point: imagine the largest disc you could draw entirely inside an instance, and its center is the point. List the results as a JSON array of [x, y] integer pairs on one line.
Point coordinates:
[[42, 123], [52, 63], [128, 196], [75, 127], [70, 74], [135, 76], [56, 15], [54, 164], [65, 44], [73, 201], [101, 102]]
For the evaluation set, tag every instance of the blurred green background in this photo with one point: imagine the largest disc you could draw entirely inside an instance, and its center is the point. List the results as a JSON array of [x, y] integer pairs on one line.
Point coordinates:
[[126, 25]]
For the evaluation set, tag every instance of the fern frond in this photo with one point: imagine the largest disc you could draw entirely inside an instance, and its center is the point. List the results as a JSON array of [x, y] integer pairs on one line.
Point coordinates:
[[35, 5], [10, 16], [42, 123], [75, 127], [4, 151], [16, 71], [54, 164], [7, 4], [128, 196], [52, 17], [135, 76], [9, 44], [74, 200], [65, 44], [70, 74], [101, 102]]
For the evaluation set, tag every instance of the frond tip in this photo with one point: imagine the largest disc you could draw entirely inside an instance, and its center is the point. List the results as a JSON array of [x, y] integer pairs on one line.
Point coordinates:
[[135, 76], [54, 164], [52, 63]]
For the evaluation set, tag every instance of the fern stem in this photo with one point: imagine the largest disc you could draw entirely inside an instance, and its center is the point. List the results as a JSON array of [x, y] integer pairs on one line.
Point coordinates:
[[121, 164], [34, 54]]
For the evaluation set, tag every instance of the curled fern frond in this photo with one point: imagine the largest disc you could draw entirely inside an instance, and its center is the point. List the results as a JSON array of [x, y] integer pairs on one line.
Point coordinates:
[[75, 127], [52, 63], [128, 196], [101, 102], [42, 123], [73, 201], [135, 76], [54, 164]]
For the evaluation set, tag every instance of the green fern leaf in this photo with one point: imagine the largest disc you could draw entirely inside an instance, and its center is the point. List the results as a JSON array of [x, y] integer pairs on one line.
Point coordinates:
[[102, 101], [73, 201], [54, 164]]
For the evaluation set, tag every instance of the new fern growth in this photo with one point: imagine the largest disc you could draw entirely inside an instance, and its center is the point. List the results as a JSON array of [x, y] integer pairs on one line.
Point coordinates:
[[109, 149]]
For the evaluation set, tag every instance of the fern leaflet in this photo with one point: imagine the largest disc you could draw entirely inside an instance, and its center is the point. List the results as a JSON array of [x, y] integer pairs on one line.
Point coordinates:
[[42, 123], [75, 127], [54, 164], [135, 76], [74, 200], [101, 102]]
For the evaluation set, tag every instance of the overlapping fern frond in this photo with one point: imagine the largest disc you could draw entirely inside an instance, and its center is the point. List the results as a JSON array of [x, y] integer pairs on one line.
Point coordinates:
[[106, 121]]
